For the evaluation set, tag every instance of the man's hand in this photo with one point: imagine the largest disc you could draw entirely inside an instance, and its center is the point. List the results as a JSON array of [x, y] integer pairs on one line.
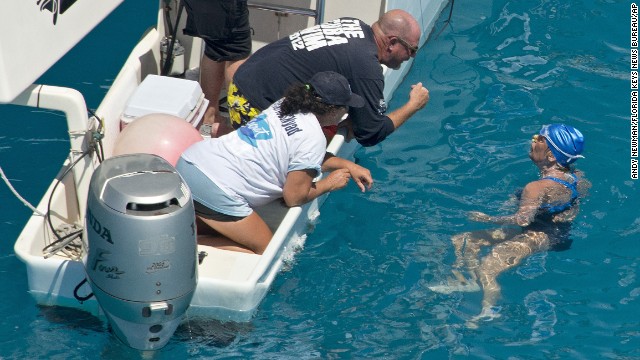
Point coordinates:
[[419, 96]]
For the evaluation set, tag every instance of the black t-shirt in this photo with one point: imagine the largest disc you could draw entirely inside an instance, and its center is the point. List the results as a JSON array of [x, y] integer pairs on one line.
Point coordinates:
[[346, 46]]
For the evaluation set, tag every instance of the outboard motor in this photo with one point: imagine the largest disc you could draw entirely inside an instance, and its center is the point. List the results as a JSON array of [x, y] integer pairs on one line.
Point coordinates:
[[141, 257]]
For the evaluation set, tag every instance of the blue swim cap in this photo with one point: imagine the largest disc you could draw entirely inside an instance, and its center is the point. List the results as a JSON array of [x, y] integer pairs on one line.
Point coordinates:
[[565, 142]]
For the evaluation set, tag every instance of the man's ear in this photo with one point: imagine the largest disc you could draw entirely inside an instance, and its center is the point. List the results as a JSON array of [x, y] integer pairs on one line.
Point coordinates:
[[550, 157]]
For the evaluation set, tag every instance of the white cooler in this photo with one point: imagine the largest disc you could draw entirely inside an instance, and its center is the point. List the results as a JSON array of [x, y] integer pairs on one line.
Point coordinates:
[[166, 95]]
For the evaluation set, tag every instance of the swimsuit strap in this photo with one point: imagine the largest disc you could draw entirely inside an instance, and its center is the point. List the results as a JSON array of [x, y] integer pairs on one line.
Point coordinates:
[[568, 185]]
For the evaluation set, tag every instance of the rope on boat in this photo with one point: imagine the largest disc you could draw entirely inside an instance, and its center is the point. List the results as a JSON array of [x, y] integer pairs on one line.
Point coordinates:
[[68, 235], [13, 190], [65, 243], [446, 22], [62, 241]]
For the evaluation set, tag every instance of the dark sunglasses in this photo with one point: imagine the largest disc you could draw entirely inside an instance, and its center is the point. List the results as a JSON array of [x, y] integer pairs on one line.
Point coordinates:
[[412, 49]]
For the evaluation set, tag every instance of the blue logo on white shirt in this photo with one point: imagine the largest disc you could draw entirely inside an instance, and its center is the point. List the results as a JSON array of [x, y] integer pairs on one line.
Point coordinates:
[[256, 129]]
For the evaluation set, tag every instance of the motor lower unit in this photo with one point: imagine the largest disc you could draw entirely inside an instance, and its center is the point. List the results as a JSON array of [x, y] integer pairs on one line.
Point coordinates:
[[141, 243]]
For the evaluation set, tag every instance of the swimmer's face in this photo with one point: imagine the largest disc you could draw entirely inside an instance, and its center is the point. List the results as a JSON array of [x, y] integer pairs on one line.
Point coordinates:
[[539, 148]]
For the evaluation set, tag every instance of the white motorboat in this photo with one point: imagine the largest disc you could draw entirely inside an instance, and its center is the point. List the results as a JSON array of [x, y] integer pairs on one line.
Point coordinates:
[[216, 283]]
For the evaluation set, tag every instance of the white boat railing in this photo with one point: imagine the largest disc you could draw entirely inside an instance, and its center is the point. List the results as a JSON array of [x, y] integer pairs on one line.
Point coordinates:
[[72, 104]]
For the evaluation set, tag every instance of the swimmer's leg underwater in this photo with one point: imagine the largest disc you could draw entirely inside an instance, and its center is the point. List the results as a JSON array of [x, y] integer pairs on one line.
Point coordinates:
[[467, 247]]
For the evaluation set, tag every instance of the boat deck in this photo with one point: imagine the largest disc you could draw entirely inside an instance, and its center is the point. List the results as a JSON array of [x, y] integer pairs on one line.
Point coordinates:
[[226, 265]]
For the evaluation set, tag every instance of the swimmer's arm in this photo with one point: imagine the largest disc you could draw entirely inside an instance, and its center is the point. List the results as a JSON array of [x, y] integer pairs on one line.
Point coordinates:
[[530, 201], [482, 217], [359, 174]]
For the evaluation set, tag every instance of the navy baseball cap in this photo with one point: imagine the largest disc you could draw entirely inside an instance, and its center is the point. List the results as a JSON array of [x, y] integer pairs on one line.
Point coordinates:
[[334, 89]]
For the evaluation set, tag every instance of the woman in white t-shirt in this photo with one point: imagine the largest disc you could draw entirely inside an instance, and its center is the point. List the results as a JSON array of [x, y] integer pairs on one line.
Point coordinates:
[[276, 155]]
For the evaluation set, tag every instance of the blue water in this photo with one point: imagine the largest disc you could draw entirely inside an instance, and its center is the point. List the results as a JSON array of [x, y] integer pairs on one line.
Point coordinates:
[[359, 288]]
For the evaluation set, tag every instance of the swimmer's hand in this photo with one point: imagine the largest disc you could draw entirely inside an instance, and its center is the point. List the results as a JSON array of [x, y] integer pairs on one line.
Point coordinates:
[[479, 216]]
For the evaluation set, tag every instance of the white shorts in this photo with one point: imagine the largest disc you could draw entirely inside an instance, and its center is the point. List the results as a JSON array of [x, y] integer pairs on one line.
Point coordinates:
[[207, 193]]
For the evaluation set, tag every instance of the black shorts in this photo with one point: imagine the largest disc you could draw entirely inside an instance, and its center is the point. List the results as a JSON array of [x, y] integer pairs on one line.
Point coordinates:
[[223, 25], [205, 212]]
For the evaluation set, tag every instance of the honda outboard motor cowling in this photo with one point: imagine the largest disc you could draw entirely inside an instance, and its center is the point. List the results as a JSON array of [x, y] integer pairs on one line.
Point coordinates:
[[141, 257]]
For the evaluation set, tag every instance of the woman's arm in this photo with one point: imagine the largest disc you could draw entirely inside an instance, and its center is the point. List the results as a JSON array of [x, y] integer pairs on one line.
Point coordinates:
[[359, 174], [299, 187]]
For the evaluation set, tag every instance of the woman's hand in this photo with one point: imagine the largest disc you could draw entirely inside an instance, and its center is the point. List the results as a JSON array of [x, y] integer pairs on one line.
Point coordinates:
[[361, 176], [336, 180]]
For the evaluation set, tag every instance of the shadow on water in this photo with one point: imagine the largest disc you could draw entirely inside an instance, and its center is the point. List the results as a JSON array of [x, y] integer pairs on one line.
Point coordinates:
[[193, 335], [211, 333], [73, 319]]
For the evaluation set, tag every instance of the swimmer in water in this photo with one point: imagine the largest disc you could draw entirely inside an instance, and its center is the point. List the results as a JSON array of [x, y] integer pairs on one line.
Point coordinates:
[[542, 222]]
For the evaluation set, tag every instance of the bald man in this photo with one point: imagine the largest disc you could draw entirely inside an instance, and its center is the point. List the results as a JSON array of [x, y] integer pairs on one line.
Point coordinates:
[[347, 46]]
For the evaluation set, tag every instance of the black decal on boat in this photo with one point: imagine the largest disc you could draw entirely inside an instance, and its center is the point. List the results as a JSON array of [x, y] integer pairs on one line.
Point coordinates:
[[57, 7], [94, 224], [102, 265], [158, 265]]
